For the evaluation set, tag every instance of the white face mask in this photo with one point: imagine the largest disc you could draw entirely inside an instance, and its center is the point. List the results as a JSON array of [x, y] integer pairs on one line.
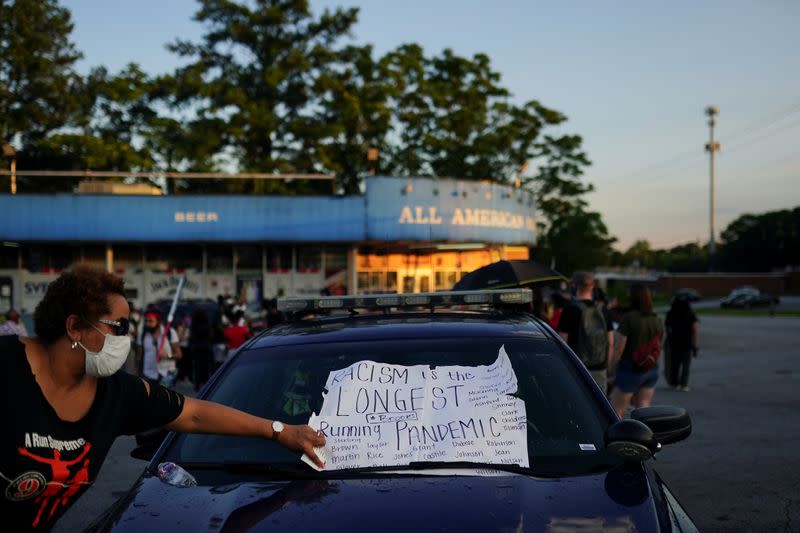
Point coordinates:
[[111, 356]]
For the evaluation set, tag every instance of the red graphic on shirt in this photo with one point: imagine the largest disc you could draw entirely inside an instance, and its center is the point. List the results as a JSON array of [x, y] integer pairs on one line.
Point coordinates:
[[59, 480]]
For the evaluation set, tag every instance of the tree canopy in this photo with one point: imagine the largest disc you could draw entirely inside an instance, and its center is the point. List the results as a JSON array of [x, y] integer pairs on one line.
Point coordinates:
[[38, 83], [273, 87]]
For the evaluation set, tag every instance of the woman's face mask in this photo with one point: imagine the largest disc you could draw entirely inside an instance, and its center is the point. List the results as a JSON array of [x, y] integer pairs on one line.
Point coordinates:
[[111, 356]]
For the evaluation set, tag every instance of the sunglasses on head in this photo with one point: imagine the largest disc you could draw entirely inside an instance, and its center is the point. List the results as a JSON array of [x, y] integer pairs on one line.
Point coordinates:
[[121, 325]]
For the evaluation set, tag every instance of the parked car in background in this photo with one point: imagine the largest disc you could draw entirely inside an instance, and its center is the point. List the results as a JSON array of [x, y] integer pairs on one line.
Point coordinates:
[[575, 465], [747, 297], [688, 294]]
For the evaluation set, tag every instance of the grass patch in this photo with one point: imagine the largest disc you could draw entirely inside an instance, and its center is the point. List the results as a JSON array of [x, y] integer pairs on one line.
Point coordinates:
[[718, 311]]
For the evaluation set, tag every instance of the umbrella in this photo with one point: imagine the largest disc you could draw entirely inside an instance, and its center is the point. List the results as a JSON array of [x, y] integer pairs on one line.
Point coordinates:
[[507, 274]]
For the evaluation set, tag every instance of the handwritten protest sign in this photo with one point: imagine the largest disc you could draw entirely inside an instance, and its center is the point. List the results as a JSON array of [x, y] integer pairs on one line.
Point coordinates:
[[377, 414]]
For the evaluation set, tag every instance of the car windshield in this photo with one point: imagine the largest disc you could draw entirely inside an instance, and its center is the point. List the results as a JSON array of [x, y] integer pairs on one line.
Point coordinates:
[[565, 423]]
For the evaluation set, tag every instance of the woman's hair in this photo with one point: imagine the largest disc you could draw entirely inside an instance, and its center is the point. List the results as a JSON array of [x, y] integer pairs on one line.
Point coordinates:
[[83, 292], [641, 299]]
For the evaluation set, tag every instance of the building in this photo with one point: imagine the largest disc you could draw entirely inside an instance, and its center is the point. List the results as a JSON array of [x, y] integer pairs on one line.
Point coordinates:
[[401, 235]]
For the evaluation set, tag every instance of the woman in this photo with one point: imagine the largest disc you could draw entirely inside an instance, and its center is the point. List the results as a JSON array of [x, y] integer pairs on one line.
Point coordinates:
[[640, 332], [65, 401], [681, 326]]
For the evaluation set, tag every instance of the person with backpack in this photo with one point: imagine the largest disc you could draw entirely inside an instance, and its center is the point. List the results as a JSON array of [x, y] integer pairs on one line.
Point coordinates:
[[641, 333], [583, 326]]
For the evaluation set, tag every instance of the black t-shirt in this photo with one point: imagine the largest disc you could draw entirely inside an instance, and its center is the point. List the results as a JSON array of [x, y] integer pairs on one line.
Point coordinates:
[[570, 321], [679, 330], [47, 463]]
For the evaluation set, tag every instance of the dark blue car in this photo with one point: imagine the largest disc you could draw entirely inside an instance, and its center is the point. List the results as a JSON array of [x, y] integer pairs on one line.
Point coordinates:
[[586, 470]]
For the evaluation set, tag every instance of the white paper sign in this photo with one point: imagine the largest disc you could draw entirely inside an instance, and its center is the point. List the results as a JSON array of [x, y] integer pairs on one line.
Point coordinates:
[[377, 414]]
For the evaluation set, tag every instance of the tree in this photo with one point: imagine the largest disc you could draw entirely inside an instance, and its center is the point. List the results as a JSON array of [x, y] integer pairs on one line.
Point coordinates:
[[254, 75], [452, 117], [355, 115], [37, 80], [759, 243], [574, 240], [113, 114]]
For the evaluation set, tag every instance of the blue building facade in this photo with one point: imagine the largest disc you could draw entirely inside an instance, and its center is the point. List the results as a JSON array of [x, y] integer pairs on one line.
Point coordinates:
[[393, 237]]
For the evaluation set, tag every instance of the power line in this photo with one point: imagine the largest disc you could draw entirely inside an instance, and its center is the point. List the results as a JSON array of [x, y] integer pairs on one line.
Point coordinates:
[[694, 153], [767, 135], [772, 119]]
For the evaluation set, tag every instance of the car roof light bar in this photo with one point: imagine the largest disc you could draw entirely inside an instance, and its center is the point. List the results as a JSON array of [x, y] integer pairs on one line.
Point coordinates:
[[399, 301]]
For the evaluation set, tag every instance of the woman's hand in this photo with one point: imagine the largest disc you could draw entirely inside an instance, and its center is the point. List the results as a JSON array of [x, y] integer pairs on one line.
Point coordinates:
[[200, 416], [302, 439]]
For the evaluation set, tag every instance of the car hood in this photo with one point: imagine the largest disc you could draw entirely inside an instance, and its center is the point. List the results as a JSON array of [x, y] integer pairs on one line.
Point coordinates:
[[619, 500]]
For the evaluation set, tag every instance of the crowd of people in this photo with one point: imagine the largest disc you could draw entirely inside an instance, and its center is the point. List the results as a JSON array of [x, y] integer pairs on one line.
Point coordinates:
[[197, 342], [622, 347]]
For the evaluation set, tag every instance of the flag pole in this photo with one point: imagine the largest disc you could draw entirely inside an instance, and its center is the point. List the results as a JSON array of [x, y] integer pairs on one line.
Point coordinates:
[[171, 314]]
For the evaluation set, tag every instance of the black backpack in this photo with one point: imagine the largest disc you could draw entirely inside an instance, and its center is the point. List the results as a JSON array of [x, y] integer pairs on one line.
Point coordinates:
[[592, 344]]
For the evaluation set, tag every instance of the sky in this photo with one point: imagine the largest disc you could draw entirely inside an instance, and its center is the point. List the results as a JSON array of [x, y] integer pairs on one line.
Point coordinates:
[[634, 78]]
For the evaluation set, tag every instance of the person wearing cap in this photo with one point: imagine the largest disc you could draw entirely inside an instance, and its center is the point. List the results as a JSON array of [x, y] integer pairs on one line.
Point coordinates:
[[64, 400]]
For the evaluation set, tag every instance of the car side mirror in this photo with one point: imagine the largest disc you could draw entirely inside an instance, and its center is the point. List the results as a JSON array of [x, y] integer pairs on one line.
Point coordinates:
[[147, 443], [631, 440], [669, 424]]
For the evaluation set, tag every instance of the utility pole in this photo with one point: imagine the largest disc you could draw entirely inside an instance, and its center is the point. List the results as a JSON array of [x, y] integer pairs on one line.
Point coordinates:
[[712, 147]]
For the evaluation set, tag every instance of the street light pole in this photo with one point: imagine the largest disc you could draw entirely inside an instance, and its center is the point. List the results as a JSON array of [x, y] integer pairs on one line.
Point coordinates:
[[712, 147]]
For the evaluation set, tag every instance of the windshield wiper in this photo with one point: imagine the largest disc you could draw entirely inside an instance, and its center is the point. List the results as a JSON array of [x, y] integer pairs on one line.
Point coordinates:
[[300, 470], [423, 465], [295, 470]]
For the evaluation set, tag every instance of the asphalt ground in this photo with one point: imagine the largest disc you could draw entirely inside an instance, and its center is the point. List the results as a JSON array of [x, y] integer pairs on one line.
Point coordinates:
[[738, 471], [740, 468]]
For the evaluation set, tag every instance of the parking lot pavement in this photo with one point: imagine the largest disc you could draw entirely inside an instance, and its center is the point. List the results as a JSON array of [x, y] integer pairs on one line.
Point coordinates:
[[739, 469]]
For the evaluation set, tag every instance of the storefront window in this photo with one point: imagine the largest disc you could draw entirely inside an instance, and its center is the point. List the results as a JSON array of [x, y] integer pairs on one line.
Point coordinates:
[[363, 282], [128, 258], [94, 255], [335, 260], [391, 281], [9, 256], [219, 258], [48, 257], [424, 284], [445, 280], [248, 257], [174, 256], [408, 284], [309, 258], [279, 259]]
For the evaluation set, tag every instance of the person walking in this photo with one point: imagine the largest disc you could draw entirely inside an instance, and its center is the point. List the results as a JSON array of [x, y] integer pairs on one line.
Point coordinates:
[[583, 326], [64, 401], [681, 328], [640, 334]]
